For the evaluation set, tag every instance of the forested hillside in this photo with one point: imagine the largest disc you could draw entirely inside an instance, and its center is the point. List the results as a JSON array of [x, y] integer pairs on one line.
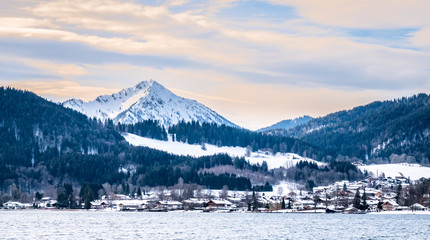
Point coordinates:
[[391, 131], [35, 133]]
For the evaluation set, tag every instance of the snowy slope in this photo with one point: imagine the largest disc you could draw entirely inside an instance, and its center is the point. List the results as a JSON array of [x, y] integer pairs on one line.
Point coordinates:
[[179, 148], [414, 171], [147, 100]]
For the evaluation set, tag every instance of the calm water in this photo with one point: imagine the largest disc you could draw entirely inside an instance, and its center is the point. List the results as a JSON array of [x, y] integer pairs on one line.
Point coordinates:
[[39, 224]]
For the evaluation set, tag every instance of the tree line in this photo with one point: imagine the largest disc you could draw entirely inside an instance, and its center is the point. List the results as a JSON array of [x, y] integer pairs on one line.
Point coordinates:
[[312, 175], [221, 135]]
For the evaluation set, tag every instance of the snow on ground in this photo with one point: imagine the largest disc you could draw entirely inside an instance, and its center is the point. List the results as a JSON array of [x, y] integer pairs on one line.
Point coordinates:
[[414, 171], [285, 160], [179, 148]]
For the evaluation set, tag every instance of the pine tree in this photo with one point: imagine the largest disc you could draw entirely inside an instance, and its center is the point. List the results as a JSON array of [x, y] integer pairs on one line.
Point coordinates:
[[283, 204], [356, 201], [254, 201], [364, 205], [88, 198], [38, 196], [398, 194], [139, 192]]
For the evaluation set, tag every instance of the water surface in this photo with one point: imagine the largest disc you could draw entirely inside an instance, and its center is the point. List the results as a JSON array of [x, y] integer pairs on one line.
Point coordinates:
[[43, 224]]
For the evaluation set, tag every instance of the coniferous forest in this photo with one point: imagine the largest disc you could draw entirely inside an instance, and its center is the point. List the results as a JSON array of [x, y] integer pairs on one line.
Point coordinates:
[[388, 131]]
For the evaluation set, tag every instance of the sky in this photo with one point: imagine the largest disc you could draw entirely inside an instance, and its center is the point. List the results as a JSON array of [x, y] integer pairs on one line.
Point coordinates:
[[254, 62]]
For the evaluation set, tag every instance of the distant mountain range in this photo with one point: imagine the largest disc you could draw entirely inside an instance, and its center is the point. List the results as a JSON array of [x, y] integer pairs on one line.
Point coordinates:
[[148, 100], [287, 124]]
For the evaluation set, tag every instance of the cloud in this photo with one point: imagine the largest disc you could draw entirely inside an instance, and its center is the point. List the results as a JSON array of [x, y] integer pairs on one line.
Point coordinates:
[[325, 51], [421, 38], [194, 95], [302, 54], [175, 3], [61, 90], [25, 22], [367, 14], [59, 69]]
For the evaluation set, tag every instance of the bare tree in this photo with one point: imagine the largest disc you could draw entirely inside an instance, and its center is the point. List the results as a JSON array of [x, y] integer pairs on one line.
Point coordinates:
[[199, 192], [160, 193], [224, 192]]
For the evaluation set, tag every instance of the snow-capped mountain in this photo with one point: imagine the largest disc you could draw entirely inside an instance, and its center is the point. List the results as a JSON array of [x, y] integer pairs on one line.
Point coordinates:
[[147, 100]]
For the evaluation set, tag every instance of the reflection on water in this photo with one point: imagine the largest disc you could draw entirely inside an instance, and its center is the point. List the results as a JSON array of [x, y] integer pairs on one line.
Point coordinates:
[[42, 224]]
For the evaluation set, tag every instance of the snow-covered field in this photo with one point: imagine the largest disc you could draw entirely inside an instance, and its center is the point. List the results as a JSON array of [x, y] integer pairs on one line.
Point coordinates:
[[179, 148], [414, 171]]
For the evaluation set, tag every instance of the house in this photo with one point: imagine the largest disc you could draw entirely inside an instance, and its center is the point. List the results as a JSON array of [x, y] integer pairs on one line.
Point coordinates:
[[169, 205], [389, 206], [402, 208], [419, 207], [47, 202], [194, 203], [14, 205], [308, 204], [298, 205], [99, 204], [129, 205], [219, 204]]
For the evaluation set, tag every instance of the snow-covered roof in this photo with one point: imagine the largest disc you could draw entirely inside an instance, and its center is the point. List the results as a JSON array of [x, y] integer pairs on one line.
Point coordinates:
[[221, 202], [169, 203]]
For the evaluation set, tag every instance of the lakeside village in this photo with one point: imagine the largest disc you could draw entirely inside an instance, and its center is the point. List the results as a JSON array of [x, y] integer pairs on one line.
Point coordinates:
[[368, 196]]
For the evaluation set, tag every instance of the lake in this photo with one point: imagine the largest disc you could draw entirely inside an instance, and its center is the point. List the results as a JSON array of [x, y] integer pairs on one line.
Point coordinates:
[[46, 224]]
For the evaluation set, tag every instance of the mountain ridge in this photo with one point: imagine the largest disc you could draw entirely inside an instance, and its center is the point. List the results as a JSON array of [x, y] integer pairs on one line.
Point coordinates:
[[383, 131], [287, 124]]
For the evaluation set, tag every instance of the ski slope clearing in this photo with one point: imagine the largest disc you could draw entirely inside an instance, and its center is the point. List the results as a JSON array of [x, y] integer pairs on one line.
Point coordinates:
[[179, 148], [414, 171]]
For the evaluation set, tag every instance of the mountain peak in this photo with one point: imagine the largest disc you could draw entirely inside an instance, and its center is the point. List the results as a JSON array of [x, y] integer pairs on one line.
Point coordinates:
[[147, 100], [146, 84]]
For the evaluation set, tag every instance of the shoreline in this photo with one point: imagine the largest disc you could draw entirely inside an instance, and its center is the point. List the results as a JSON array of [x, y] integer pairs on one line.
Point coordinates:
[[223, 211]]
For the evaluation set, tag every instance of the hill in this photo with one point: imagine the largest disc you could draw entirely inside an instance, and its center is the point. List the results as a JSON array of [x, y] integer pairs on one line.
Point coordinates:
[[384, 131], [35, 132]]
